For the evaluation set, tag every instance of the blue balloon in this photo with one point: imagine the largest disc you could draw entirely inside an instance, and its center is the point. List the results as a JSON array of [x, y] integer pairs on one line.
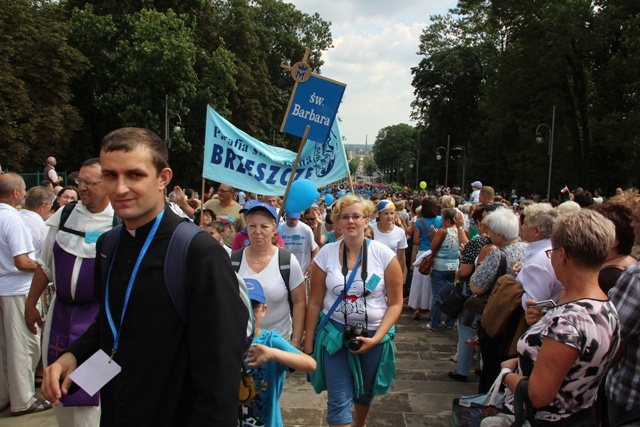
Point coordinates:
[[340, 194], [328, 199], [301, 196]]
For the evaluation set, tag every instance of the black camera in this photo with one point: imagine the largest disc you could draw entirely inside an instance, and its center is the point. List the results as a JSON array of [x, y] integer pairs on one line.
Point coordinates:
[[351, 332]]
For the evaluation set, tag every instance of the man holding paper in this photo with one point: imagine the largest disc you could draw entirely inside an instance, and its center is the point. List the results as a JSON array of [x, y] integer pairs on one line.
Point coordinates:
[[152, 367]]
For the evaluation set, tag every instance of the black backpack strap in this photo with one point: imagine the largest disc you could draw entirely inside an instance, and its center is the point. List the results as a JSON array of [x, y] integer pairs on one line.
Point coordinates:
[[175, 266], [66, 211], [236, 259], [284, 264]]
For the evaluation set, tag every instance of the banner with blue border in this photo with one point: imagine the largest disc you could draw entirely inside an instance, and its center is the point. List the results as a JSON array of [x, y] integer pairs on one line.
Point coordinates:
[[233, 157]]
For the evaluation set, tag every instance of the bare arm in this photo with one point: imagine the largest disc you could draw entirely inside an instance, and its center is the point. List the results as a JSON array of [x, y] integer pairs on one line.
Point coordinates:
[[438, 239], [31, 313], [299, 299], [260, 354], [402, 259], [24, 263], [316, 298], [553, 363]]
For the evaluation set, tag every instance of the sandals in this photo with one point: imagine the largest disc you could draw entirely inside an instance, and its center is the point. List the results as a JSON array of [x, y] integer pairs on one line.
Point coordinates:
[[416, 315], [38, 406]]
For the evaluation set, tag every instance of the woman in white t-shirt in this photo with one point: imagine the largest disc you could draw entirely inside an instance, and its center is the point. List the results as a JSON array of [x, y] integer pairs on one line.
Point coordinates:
[[373, 301], [260, 262], [388, 232]]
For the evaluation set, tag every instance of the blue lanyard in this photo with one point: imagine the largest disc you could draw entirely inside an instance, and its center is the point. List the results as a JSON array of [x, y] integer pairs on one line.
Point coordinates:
[[147, 242]]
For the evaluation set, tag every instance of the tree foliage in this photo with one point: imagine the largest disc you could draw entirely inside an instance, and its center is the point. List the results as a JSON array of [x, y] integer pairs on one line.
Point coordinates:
[[490, 73], [94, 66], [37, 68]]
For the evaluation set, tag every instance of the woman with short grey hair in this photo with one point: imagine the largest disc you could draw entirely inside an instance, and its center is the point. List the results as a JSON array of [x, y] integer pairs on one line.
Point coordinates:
[[503, 232]]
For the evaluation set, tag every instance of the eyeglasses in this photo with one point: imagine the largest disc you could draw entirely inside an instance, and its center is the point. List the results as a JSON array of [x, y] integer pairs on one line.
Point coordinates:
[[355, 217], [87, 183], [222, 190], [548, 252]]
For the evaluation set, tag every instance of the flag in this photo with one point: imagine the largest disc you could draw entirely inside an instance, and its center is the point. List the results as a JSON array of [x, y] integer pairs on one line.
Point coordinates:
[[233, 157], [565, 189]]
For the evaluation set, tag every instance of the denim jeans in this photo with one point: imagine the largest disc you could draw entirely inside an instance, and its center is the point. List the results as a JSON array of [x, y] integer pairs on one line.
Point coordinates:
[[439, 281], [339, 380], [465, 352]]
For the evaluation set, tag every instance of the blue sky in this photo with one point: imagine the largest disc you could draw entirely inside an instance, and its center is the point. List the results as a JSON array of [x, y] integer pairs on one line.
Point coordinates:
[[375, 44]]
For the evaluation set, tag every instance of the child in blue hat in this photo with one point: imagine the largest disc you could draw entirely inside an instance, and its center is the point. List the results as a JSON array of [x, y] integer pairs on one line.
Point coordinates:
[[268, 359]]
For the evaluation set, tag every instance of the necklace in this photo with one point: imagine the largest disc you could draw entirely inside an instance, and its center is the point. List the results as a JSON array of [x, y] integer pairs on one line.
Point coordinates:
[[255, 260]]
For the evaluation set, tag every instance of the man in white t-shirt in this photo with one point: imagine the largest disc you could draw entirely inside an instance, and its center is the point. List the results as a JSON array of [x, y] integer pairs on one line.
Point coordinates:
[[50, 172], [298, 239], [20, 350]]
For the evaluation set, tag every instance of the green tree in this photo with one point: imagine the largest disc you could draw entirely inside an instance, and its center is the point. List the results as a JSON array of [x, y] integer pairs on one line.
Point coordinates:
[[354, 164], [394, 146], [37, 70], [369, 166]]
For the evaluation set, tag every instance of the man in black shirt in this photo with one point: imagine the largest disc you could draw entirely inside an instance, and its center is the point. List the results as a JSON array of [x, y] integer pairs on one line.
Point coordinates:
[[174, 372]]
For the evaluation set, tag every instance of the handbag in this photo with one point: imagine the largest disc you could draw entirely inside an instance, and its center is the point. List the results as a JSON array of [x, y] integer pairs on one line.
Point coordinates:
[[454, 297], [477, 303], [469, 411]]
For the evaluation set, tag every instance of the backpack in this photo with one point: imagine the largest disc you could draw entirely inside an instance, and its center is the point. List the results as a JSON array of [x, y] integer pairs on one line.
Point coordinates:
[[66, 212], [284, 263], [175, 268]]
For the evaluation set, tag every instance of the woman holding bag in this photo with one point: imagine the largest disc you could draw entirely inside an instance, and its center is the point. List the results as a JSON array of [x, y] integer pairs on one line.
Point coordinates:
[[564, 356], [446, 249], [354, 343]]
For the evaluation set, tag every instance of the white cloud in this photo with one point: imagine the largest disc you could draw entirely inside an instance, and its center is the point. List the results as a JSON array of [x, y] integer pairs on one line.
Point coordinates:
[[375, 44]]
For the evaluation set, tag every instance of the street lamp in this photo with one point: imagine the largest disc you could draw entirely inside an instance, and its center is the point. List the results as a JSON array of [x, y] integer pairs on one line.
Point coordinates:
[[464, 163], [177, 128], [446, 159], [540, 140]]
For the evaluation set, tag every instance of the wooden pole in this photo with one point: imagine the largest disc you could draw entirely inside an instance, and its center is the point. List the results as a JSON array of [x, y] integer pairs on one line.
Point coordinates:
[[293, 169], [351, 184]]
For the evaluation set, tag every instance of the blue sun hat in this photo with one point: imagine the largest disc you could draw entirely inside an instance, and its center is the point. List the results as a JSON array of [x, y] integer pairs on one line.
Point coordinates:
[[256, 293]]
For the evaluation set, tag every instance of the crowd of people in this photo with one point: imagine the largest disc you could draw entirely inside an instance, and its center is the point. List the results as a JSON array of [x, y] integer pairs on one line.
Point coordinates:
[[550, 293]]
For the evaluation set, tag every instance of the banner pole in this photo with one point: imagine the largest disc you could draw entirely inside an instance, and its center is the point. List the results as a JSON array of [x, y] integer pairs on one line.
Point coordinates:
[[202, 203], [351, 184], [293, 170]]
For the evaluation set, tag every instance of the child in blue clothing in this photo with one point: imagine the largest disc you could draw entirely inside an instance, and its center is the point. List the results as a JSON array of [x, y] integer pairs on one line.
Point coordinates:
[[268, 359]]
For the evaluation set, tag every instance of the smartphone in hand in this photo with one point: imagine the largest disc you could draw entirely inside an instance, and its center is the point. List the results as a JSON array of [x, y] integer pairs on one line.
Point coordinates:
[[544, 306]]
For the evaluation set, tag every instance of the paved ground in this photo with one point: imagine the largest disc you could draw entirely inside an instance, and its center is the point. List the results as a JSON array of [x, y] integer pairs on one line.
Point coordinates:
[[421, 395]]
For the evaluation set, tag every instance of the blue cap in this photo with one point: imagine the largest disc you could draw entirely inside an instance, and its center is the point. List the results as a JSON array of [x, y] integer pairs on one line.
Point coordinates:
[[262, 206], [248, 205], [292, 215], [255, 291], [386, 204]]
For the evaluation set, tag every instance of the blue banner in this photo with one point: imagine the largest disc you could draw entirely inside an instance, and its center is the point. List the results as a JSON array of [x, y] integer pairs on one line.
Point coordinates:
[[315, 103], [233, 157]]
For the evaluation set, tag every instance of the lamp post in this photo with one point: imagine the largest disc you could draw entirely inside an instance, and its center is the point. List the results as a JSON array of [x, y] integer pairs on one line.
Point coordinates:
[[177, 128], [446, 159], [540, 140], [464, 163]]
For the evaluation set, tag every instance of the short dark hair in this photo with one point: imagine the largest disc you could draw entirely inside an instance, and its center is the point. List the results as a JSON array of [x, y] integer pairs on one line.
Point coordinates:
[[621, 215], [128, 139]]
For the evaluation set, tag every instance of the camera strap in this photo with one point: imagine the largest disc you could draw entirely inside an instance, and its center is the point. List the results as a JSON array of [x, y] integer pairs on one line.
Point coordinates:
[[347, 284]]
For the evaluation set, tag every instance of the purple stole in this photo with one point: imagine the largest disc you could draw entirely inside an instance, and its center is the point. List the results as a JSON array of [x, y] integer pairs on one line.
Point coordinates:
[[72, 316]]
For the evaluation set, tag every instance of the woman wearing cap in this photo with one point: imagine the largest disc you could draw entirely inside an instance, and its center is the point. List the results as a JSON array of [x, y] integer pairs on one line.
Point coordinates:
[[260, 262], [353, 367], [388, 232]]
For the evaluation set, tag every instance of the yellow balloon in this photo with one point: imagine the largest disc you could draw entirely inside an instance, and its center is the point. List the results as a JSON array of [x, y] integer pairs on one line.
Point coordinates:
[[405, 188], [423, 185]]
